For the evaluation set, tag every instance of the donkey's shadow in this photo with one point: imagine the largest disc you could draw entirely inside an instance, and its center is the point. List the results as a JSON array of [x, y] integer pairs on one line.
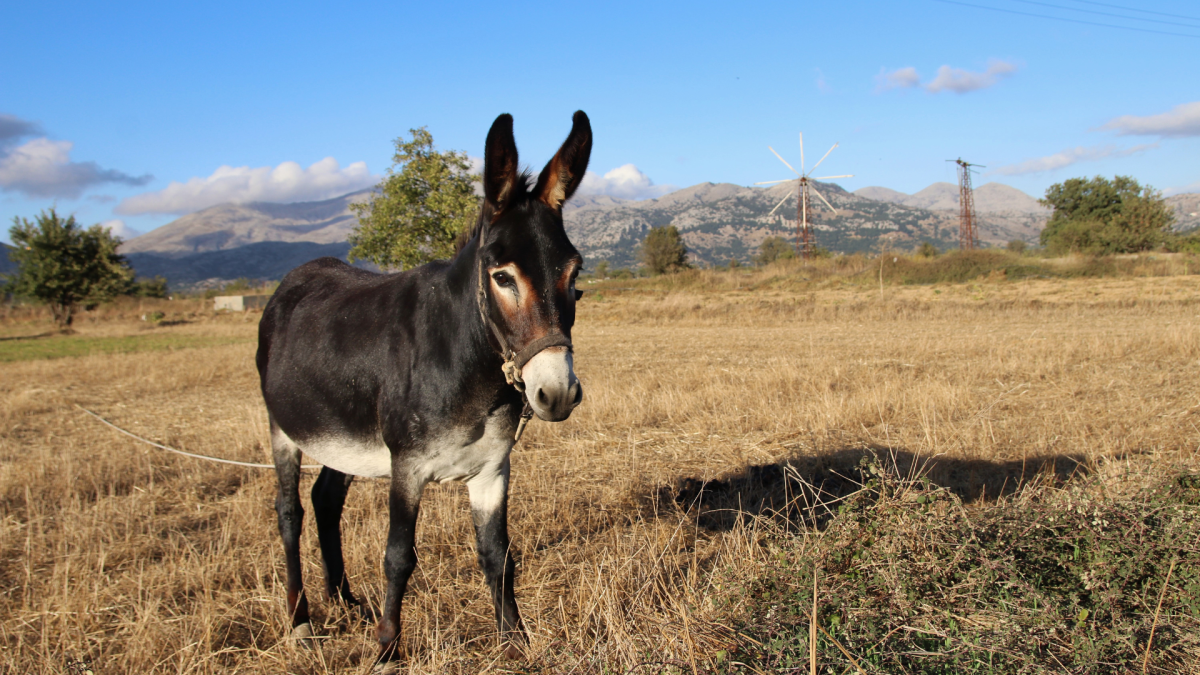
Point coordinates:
[[805, 491]]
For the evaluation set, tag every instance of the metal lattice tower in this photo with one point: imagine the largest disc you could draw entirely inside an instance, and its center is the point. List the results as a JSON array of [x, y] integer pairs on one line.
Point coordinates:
[[805, 241], [968, 235]]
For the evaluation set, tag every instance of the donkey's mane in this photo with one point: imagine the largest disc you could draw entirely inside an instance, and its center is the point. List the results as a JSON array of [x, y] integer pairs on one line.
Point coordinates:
[[521, 192]]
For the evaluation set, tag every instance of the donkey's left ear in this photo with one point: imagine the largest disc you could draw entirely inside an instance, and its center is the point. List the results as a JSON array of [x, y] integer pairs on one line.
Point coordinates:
[[565, 172]]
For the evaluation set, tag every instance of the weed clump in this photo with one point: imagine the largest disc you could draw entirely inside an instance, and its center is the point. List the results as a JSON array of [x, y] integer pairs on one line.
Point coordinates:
[[1054, 580]]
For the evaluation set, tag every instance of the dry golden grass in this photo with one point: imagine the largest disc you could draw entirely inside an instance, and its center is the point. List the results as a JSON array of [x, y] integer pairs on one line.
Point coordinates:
[[135, 561]]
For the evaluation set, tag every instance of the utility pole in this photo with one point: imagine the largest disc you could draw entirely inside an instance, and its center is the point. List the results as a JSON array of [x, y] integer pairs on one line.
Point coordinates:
[[968, 235]]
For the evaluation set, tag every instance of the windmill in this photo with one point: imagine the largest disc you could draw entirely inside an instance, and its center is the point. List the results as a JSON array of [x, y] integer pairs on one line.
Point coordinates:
[[968, 237], [804, 236]]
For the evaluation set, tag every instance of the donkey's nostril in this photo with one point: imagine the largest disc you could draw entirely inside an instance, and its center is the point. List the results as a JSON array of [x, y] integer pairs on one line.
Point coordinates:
[[578, 395], [541, 397]]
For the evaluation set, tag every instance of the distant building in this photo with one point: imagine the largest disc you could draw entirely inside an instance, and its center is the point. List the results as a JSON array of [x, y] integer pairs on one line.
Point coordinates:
[[240, 303]]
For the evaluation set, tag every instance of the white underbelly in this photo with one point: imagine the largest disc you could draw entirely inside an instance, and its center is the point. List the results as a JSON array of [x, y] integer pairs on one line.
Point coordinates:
[[351, 456], [449, 458]]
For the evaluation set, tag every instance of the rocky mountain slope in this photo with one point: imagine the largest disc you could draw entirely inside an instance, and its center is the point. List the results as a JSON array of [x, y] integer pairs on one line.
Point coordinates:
[[230, 226], [719, 222], [1187, 211]]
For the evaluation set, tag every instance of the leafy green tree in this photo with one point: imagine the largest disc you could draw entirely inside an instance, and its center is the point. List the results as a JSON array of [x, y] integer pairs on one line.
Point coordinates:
[[602, 270], [663, 250], [426, 200], [149, 288], [1100, 216], [64, 265], [774, 248], [1017, 246]]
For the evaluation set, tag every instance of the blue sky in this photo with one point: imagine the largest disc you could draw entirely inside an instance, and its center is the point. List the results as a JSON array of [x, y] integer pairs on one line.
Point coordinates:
[[140, 112]]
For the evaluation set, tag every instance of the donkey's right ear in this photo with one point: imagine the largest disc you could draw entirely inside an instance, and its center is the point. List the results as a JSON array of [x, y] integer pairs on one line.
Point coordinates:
[[499, 164]]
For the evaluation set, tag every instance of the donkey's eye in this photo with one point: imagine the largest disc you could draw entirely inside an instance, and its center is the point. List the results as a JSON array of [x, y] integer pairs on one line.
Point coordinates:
[[503, 279]]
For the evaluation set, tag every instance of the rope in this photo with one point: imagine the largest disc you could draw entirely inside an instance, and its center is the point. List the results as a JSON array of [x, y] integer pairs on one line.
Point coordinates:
[[188, 454]]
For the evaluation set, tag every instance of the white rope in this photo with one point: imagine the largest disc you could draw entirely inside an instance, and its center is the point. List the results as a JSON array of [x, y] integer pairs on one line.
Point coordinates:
[[188, 454]]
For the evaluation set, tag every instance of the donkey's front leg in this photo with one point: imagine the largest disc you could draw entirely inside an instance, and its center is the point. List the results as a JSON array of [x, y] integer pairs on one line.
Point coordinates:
[[489, 511], [400, 559]]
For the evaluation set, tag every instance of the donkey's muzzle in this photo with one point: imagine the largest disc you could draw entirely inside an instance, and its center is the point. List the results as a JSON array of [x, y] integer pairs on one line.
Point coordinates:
[[551, 387]]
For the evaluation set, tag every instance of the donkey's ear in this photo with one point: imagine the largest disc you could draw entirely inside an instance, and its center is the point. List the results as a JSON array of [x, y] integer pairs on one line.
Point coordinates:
[[499, 163], [564, 173]]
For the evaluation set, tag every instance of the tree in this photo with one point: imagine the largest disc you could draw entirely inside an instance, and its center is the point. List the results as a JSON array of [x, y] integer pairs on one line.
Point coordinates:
[[426, 200], [663, 250], [1100, 216], [774, 248], [64, 265], [148, 288], [1017, 246]]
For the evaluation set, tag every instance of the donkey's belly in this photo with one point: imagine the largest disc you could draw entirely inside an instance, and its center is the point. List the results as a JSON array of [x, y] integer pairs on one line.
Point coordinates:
[[350, 455]]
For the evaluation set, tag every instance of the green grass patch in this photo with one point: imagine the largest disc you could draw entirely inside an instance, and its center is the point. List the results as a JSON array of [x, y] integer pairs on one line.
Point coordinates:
[[65, 346], [910, 581]]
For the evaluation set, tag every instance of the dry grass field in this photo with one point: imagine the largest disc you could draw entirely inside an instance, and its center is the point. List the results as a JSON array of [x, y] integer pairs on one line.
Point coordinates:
[[716, 418]]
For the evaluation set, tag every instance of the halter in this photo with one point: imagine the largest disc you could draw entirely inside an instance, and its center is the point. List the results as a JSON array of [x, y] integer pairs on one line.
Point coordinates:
[[514, 361]]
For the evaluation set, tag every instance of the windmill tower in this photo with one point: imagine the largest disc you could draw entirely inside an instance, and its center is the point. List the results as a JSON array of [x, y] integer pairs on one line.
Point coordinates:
[[968, 237], [804, 235]]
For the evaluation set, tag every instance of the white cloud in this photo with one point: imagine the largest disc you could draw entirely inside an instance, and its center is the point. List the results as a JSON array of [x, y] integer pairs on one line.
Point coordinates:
[[120, 229], [623, 182], [901, 78], [962, 81], [1068, 157], [957, 80], [288, 182], [43, 168], [1182, 121]]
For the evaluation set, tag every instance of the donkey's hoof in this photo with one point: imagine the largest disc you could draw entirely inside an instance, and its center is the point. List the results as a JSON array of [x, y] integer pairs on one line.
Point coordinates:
[[513, 651], [302, 635]]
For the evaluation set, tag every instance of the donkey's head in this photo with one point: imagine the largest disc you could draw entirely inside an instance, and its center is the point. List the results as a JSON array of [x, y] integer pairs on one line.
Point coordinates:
[[528, 266]]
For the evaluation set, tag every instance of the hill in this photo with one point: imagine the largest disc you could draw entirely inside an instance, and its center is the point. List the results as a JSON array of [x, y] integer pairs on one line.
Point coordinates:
[[230, 226], [719, 222], [1187, 211]]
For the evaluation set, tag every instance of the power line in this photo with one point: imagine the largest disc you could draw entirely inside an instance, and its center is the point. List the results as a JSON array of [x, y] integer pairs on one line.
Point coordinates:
[[1059, 18], [1134, 9], [1119, 16]]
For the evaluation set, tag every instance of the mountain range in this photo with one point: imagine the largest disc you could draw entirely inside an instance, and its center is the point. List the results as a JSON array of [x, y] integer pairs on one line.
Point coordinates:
[[719, 222]]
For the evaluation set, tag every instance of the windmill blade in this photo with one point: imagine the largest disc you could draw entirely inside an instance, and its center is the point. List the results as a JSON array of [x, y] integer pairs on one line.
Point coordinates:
[[823, 157], [781, 201], [823, 199], [802, 151], [783, 160], [772, 182], [848, 175]]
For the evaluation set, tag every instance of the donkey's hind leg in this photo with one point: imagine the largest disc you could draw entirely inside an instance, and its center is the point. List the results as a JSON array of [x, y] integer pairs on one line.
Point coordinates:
[[328, 498], [291, 519]]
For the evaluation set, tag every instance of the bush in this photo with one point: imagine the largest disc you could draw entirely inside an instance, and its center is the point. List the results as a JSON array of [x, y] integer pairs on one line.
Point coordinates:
[[1100, 216], [1053, 581], [927, 250], [774, 248], [1017, 246], [663, 251]]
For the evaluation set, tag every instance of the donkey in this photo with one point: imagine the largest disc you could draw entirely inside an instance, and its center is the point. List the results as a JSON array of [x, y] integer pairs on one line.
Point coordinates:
[[427, 375]]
